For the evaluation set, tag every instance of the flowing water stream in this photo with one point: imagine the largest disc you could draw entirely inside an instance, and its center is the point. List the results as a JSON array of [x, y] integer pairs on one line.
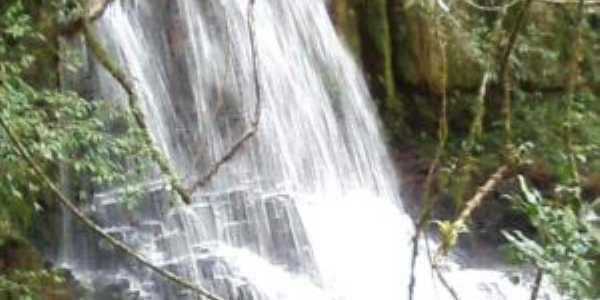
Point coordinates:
[[308, 210]]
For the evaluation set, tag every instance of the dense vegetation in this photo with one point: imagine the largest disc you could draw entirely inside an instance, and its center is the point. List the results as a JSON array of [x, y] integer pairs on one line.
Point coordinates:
[[47, 133], [495, 90], [500, 98]]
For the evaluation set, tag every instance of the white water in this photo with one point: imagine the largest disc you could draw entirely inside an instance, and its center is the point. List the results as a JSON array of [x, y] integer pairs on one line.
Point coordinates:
[[310, 208]]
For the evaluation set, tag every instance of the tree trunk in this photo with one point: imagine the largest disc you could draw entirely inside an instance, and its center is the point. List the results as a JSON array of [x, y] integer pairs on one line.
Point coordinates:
[[376, 52]]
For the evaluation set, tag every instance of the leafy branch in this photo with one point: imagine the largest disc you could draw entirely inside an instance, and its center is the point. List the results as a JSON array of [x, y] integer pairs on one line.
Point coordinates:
[[120, 75], [38, 171]]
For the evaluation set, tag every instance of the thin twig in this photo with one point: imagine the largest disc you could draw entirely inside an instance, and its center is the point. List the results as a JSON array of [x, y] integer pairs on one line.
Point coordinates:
[[505, 67], [491, 8], [413, 264], [429, 202], [537, 284], [482, 192], [458, 225], [477, 125], [467, 160], [445, 282], [66, 202], [251, 131], [572, 89], [438, 272]]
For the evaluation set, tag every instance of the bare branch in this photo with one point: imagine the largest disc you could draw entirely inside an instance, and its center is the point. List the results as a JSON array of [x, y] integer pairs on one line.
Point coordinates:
[[505, 67], [438, 272], [81, 217], [445, 282], [126, 83], [429, 202], [477, 125], [537, 284], [491, 8], [230, 154], [482, 192], [239, 144], [571, 2], [452, 230]]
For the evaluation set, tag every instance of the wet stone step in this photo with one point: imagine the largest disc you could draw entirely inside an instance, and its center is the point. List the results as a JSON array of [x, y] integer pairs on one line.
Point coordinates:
[[114, 214], [107, 287], [235, 288], [204, 249], [210, 267], [155, 205], [153, 228], [206, 215], [225, 288], [173, 245]]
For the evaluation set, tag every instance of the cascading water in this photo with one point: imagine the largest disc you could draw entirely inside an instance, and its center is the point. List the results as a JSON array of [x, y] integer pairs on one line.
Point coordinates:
[[309, 209]]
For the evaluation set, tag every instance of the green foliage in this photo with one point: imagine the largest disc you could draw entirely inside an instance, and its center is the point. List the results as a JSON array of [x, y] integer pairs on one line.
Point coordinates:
[[567, 246], [60, 130], [62, 133], [449, 232], [27, 285], [540, 121]]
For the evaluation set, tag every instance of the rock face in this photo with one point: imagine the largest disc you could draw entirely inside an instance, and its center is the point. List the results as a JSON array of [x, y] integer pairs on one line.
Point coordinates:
[[193, 66], [400, 46], [21, 263], [267, 226], [415, 45]]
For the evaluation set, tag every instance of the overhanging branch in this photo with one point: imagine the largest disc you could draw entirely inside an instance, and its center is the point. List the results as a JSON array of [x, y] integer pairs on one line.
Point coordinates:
[[451, 231], [103, 57], [81, 217], [251, 131]]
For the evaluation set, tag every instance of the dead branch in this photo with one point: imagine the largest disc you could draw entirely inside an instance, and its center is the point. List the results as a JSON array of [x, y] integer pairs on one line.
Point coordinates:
[[445, 283], [504, 62], [537, 284], [438, 272], [477, 125], [251, 131], [482, 192], [451, 231], [81, 217], [121, 76], [429, 202], [498, 8], [125, 82]]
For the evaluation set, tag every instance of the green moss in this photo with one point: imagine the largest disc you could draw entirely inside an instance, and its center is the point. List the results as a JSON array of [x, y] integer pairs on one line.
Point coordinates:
[[344, 18], [376, 52]]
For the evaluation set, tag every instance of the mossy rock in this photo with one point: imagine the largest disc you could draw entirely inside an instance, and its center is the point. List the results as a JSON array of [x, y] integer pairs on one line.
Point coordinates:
[[543, 51], [419, 62], [22, 265]]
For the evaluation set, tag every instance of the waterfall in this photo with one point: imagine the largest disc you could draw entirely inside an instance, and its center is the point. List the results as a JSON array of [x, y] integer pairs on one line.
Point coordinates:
[[308, 209]]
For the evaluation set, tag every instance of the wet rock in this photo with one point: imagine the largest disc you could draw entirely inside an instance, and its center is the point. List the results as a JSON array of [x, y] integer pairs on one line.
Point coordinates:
[[108, 288]]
